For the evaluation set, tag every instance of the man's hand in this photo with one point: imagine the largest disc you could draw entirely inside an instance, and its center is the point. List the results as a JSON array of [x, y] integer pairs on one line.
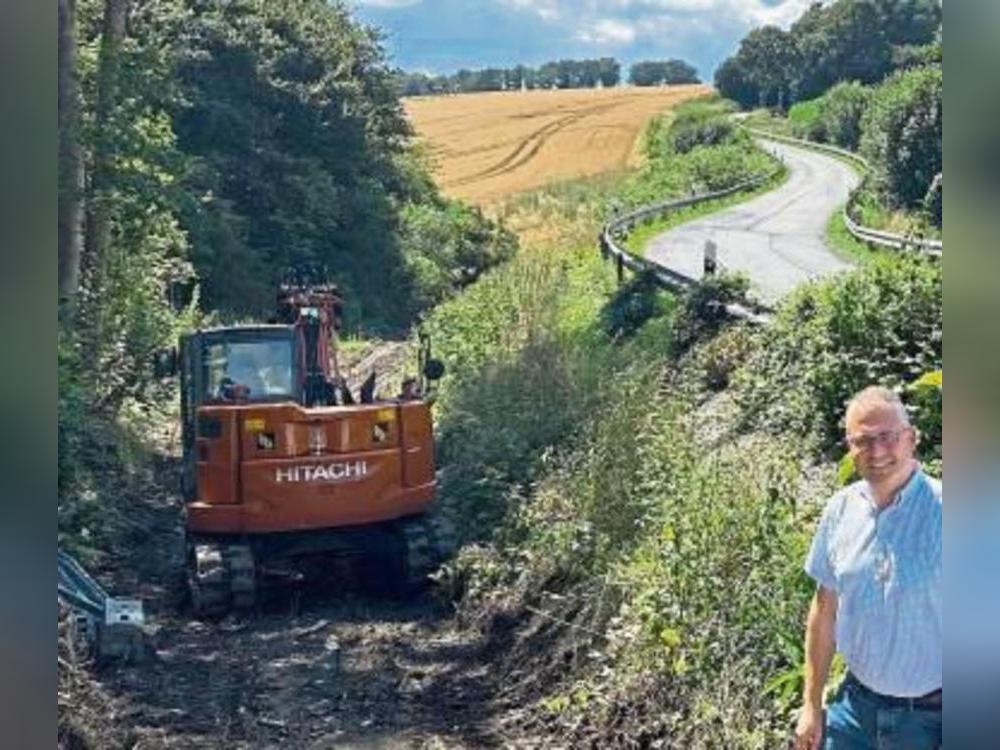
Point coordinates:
[[820, 627], [809, 730]]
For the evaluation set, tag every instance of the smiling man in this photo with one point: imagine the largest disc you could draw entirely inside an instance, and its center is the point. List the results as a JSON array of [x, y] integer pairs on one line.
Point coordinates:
[[876, 558]]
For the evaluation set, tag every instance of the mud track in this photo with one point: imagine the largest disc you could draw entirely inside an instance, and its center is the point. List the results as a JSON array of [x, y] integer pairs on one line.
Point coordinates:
[[331, 666]]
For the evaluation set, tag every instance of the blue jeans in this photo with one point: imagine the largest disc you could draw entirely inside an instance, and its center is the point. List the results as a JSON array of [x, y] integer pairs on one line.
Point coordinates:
[[858, 721]]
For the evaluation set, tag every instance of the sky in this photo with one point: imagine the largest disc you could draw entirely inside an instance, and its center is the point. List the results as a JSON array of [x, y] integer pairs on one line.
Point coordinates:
[[441, 36]]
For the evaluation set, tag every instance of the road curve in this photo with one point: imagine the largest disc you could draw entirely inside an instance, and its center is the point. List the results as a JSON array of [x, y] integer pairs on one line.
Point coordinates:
[[777, 239]]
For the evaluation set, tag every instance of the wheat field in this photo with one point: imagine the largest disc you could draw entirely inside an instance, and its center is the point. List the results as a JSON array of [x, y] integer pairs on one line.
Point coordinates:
[[485, 147]]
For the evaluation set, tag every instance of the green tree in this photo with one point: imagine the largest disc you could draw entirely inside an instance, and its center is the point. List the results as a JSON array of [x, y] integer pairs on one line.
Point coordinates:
[[901, 136], [657, 73], [771, 58]]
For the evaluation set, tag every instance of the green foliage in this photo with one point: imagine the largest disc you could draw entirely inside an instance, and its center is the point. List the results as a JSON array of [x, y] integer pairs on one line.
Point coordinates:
[[639, 300], [659, 73], [715, 595], [702, 310], [526, 364], [834, 117], [925, 400], [806, 120], [701, 124], [293, 126], [847, 40], [881, 324], [901, 136], [841, 109], [447, 245]]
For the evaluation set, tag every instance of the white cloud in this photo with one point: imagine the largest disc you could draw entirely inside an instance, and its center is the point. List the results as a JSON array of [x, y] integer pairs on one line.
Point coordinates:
[[607, 20], [387, 3], [607, 31]]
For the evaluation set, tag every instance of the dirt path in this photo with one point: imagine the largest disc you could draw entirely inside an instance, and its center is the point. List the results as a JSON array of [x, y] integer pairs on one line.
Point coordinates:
[[317, 670], [331, 667]]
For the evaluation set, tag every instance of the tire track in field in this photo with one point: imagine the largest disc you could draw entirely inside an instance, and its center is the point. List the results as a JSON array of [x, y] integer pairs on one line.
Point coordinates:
[[530, 145]]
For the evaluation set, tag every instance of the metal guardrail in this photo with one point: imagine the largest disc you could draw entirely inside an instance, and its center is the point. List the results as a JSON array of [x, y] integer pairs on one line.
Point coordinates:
[[859, 231], [113, 626], [610, 232], [78, 589]]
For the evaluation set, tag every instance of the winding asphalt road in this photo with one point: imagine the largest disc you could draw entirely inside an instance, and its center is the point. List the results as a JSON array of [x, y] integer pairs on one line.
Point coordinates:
[[777, 239]]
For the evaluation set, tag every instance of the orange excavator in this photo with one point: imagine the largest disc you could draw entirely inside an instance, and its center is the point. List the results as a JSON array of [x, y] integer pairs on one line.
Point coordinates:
[[283, 463]]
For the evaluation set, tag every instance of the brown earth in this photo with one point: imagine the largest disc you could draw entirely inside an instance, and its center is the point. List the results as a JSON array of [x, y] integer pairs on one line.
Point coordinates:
[[311, 668], [487, 146]]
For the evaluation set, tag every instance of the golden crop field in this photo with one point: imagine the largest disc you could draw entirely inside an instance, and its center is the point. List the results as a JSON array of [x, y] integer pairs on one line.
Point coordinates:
[[487, 146]]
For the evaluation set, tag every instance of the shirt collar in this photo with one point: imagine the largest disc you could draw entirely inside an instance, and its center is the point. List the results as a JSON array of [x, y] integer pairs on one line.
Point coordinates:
[[907, 490]]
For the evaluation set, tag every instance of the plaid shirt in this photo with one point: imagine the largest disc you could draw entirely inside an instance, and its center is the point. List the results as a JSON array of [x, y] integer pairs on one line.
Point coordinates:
[[885, 567]]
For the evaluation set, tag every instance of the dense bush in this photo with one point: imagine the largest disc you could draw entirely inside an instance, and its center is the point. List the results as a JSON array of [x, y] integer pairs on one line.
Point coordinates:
[[901, 136], [704, 125], [806, 120], [881, 324], [841, 110], [446, 245], [834, 117]]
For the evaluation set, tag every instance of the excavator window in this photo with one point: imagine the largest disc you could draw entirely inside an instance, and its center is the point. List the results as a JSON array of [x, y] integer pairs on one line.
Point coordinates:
[[249, 370]]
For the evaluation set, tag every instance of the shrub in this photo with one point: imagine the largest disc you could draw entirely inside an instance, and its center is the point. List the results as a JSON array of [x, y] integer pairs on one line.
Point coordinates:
[[807, 122], [702, 310], [840, 113], [699, 126], [901, 135], [447, 245], [880, 324]]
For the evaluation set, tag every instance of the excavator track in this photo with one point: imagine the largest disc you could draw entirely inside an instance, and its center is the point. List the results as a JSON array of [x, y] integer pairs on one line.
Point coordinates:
[[430, 540], [221, 577]]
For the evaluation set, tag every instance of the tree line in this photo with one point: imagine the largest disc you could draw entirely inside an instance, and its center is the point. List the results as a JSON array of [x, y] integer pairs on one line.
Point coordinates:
[[559, 74], [848, 40]]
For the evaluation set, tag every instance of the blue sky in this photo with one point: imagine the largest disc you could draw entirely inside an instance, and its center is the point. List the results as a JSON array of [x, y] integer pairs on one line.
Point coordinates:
[[441, 36]]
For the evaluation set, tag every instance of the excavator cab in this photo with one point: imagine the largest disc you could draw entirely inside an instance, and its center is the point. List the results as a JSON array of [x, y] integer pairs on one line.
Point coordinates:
[[282, 461]]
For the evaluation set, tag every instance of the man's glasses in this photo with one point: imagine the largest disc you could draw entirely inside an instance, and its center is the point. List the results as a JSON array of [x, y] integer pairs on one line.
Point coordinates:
[[886, 438]]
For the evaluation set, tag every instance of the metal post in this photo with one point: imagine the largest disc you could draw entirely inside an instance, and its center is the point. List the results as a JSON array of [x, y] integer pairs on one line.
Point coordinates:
[[620, 263], [711, 258]]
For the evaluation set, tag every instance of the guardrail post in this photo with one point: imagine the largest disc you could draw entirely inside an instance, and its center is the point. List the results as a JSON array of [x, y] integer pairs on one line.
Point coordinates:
[[710, 258], [620, 267]]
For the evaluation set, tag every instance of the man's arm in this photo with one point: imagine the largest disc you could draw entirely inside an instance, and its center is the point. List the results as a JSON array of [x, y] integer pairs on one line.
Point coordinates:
[[820, 645]]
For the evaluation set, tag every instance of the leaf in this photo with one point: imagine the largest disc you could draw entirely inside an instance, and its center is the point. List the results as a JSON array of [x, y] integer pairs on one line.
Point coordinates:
[[846, 471]]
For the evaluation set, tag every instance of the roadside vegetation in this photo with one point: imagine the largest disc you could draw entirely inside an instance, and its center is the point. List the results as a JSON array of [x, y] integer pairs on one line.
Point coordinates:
[[696, 148], [637, 480], [878, 95]]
